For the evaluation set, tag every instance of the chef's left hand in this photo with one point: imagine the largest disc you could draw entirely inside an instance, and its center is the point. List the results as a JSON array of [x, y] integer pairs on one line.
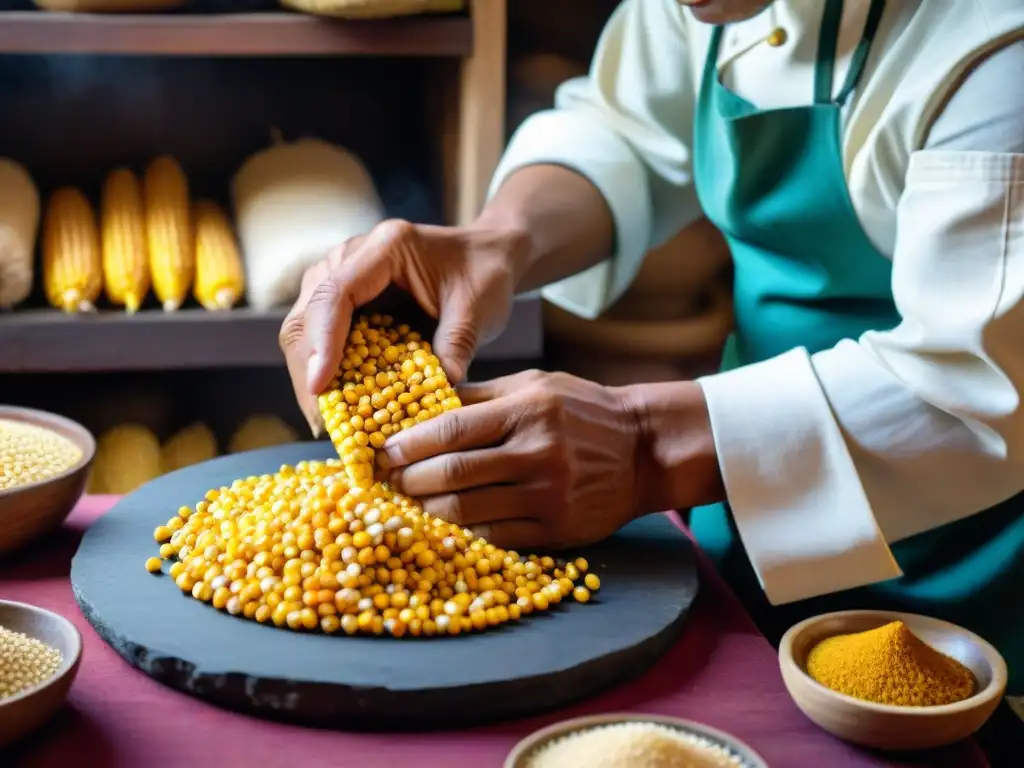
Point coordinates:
[[535, 459]]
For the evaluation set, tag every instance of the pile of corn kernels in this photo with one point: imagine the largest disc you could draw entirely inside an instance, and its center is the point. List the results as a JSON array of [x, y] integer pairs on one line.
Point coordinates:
[[29, 454], [25, 663], [325, 545]]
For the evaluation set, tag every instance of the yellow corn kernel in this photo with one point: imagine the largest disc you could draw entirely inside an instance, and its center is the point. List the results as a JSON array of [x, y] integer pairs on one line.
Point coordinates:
[[125, 259], [169, 238], [220, 278], [72, 268]]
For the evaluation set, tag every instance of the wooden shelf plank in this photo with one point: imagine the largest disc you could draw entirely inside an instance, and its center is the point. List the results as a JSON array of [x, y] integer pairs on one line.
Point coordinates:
[[248, 34], [48, 341]]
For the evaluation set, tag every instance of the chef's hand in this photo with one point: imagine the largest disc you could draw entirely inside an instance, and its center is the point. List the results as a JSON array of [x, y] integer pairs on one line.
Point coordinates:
[[534, 459], [460, 276]]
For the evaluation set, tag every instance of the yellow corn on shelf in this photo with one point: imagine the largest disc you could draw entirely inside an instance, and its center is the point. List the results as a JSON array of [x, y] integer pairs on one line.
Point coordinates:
[[261, 431], [193, 444], [169, 237], [127, 456], [323, 546], [123, 228], [220, 278], [72, 268]]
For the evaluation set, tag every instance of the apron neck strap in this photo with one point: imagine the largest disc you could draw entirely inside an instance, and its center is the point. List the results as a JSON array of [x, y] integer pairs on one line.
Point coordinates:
[[827, 42]]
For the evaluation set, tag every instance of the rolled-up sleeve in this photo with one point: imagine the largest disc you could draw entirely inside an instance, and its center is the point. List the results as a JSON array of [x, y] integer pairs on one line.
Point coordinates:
[[626, 127], [830, 458]]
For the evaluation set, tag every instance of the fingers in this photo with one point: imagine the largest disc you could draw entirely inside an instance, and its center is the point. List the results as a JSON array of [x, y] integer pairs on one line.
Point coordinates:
[[480, 392], [517, 533], [484, 505], [464, 429], [357, 274], [452, 472], [456, 337], [295, 345]]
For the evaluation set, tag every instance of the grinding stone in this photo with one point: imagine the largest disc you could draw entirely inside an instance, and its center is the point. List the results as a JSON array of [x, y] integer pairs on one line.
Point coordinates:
[[648, 576]]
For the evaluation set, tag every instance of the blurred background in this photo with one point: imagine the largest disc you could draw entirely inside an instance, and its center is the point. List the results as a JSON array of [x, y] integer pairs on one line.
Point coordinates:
[[408, 116]]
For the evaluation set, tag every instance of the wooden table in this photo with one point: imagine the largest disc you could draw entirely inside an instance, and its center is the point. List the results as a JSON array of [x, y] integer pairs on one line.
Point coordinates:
[[722, 672]]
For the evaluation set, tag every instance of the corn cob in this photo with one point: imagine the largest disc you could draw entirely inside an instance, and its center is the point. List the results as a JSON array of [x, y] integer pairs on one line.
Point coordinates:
[[19, 223], [192, 445], [220, 278], [169, 232], [125, 261], [261, 431], [72, 268], [127, 456]]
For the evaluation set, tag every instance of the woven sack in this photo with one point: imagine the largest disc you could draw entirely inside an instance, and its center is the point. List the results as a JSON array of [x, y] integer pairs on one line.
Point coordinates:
[[373, 9]]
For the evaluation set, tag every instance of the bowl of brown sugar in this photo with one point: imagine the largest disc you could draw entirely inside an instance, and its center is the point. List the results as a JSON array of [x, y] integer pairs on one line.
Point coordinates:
[[889, 680]]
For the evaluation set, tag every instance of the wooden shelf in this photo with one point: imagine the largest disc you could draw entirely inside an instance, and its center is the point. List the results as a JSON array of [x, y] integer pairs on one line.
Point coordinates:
[[250, 34], [48, 341]]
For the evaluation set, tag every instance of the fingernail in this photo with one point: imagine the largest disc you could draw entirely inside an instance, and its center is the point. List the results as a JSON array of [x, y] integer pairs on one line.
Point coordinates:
[[313, 371], [394, 479], [393, 456], [456, 373], [313, 419]]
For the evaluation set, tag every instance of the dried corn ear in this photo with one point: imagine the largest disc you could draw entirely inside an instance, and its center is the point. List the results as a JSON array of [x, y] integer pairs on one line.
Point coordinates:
[[261, 431], [127, 456], [72, 268], [220, 277], [19, 222], [389, 380], [169, 237], [192, 445], [123, 227]]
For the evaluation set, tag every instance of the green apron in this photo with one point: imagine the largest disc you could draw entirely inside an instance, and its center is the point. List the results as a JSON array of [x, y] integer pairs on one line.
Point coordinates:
[[806, 275]]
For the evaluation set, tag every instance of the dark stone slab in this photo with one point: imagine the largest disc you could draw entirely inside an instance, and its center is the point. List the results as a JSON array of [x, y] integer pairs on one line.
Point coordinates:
[[648, 576]]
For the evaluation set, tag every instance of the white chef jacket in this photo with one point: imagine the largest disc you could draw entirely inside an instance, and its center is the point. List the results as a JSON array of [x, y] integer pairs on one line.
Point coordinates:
[[829, 458]]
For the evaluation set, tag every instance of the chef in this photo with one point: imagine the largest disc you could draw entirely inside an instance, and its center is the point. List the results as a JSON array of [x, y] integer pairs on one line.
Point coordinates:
[[863, 443]]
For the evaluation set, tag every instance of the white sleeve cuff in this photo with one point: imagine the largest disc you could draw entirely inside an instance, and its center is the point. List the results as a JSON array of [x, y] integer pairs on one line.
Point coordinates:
[[587, 146], [795, 495]]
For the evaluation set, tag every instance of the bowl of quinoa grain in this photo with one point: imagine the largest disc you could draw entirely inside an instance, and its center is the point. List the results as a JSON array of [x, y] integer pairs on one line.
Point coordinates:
[[632, 741], [44, 465], [39, 655]]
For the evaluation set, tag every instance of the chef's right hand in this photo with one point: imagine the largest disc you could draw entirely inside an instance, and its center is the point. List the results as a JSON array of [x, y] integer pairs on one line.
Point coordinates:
[[461, 276]]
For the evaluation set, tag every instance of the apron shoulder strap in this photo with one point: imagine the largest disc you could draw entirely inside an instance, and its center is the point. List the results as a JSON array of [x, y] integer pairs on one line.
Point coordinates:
[[860, 56], [827, 42]]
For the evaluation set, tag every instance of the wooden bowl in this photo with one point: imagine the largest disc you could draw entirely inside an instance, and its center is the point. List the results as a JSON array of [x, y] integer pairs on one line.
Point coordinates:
[[522, 751], [30, 511], [884, 726], [23, 713]]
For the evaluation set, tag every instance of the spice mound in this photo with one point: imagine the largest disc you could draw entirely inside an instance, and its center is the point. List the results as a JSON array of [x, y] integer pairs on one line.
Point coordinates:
[[327, 546], [25, 663], [633, 745], [29, 454], [889, 665]]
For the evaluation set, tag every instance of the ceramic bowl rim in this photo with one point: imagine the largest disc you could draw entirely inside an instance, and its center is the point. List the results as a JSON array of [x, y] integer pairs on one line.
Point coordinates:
[[587, 722], [67, 663], [980, 698], [83, 440]]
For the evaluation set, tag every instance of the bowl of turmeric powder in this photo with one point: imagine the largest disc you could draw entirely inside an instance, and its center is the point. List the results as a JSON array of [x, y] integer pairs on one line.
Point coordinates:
[[889, 680]]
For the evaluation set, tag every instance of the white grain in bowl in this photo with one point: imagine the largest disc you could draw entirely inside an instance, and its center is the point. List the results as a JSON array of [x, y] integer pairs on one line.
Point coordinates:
[[629, 741]]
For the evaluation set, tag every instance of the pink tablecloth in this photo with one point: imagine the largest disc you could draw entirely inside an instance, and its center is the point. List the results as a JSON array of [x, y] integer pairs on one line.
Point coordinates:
[[722, 673]]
